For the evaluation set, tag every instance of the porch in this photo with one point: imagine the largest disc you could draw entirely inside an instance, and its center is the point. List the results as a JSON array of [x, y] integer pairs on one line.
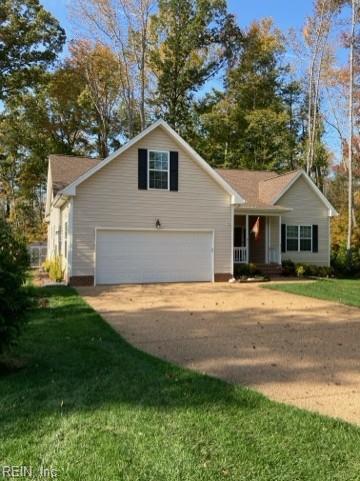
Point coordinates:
[[257, 239]]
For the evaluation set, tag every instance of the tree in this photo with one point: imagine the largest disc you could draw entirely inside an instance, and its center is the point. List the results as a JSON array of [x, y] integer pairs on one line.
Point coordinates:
[[30, 41], [49, 119], [192, 41], [254, 122], [14, 262], [99, 68], [354, 15], [123, 26]]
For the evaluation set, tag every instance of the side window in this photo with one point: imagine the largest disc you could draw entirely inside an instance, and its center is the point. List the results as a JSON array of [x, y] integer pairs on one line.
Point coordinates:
[[305, 238], [292, 238], [66, 240], [59, 241]]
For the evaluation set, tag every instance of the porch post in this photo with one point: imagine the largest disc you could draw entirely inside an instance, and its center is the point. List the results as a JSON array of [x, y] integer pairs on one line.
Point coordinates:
[[266, 240], [280, 239], [247, 238], [232, 223]]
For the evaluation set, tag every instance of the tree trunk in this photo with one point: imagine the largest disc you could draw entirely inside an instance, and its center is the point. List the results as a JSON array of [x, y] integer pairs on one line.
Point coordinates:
[[351, 126]]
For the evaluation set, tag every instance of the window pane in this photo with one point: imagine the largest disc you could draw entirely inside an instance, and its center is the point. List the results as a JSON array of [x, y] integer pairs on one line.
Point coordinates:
[[292, 244], [305, 231], [305, 244], [158, 180], [158, 170], [292, 231]]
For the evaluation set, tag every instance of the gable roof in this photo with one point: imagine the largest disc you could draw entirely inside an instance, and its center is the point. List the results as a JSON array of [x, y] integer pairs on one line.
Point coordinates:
[[264, 189], [67, 168], [236, 196], [270, 188]]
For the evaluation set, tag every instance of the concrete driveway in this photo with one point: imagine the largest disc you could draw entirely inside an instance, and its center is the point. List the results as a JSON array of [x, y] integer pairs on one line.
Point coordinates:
[[293, 349]]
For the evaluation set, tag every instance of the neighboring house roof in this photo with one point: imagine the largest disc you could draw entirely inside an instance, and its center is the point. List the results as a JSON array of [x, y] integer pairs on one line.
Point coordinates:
[[236, 196], [67, 168]]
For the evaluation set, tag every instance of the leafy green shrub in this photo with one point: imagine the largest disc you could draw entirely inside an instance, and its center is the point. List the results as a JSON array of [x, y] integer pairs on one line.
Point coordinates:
[[346, 263], [246, 270], [300, 270], [14, 263], [56, 272], [288, 268], [46, 265]]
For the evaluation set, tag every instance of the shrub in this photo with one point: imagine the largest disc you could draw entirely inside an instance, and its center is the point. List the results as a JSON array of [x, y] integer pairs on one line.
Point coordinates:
[[300, 270], [46, 265], [346, 263], [247, 270], [55, 270], [14, 263], [288, 268]]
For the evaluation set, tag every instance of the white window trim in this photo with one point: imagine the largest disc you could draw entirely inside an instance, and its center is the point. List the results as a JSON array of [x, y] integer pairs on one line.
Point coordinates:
[[155, 170], [299, 238]]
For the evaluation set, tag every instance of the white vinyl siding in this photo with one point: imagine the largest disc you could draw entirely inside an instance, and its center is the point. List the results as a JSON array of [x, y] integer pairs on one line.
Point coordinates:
[[111, 199], [308, 210]]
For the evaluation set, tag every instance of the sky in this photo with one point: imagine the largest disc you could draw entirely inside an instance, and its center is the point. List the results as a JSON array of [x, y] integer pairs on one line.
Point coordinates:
[[286, 13]]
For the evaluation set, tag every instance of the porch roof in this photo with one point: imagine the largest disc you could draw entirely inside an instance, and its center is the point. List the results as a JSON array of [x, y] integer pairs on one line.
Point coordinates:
[[259, 188]]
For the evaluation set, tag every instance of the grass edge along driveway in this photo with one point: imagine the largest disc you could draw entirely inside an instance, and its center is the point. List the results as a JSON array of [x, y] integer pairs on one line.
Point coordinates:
[[344, 291], [93, 407]]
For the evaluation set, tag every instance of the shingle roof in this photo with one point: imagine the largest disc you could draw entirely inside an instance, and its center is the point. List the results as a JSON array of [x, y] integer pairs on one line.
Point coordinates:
[[271, 188], [258, 187], [66, 168]]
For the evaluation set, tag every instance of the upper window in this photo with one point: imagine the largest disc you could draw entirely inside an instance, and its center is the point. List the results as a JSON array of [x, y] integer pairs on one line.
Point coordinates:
[[158, 170], [298, 238]]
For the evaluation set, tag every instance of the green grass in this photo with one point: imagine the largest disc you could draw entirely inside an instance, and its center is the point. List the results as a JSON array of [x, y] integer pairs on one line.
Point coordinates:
[[95, 408], [338, 290]]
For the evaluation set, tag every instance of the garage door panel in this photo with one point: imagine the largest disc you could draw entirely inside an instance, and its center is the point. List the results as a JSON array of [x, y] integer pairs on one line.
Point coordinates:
[[153, 256]]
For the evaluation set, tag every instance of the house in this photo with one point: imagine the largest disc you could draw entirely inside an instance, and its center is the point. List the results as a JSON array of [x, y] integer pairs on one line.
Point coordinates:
[[155, 211]]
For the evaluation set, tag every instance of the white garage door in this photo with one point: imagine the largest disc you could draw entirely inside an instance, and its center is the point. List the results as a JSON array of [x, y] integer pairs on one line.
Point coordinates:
[[153, 256]]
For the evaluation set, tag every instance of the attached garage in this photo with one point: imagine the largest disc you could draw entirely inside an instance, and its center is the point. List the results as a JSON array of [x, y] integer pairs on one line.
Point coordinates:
[[146, 256]]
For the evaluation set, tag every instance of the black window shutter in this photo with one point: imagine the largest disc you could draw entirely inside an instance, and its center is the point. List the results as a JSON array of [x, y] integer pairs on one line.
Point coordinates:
[[315, 238], [174, 171], [283, 237], [142, 169]]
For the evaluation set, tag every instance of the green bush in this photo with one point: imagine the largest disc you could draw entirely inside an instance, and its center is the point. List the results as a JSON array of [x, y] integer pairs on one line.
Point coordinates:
[[54, 268], [346, 263], [46, 265], [14, 300], [288, 268], [300, 270], [248, 270]]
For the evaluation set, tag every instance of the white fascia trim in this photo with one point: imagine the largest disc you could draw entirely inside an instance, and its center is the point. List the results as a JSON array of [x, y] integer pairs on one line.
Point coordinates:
[[331, 209], [59, 200], [235, 197], [257, 211]]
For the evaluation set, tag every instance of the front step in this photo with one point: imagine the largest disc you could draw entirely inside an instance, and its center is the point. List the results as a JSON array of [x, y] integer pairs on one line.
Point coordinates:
[[270, 269]]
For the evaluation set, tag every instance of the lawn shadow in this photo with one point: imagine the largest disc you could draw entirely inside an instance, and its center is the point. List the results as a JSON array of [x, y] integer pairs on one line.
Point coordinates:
[[76, 362]]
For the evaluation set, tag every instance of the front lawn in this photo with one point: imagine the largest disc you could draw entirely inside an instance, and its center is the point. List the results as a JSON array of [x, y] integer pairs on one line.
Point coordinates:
[[94, 408], [338, 290]]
